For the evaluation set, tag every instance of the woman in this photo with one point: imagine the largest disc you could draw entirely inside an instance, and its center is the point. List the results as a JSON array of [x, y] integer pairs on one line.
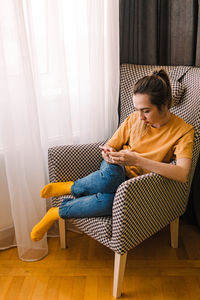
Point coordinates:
[[146, 142]]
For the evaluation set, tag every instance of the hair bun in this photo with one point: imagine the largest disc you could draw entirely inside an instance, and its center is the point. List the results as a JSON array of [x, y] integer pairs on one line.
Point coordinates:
[[158, 72], [155, 72]]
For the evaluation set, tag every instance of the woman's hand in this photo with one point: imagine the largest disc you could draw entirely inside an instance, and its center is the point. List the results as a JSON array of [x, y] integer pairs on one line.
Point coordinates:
[[105, 153], [124, 157]]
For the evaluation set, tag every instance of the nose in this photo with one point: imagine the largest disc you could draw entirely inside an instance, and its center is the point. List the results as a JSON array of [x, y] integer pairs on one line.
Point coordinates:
[[142, 117]]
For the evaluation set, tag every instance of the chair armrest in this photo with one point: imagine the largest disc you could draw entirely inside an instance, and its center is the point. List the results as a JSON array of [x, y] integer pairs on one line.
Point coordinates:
[[142, 206], [71, 162]]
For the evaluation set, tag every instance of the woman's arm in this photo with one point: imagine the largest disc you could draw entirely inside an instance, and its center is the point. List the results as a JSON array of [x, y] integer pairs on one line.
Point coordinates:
[[177, 172]]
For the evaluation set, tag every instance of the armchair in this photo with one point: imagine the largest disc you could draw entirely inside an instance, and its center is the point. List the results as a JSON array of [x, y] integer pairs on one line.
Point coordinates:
[[142, 205]]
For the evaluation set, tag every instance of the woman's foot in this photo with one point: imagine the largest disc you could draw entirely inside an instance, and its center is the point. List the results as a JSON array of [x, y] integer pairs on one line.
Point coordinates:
[[56, 189], [43, 226]]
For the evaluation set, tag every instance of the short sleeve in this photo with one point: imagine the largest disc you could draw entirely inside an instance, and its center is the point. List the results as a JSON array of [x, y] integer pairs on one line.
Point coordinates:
[[122, 135], [184, 146]]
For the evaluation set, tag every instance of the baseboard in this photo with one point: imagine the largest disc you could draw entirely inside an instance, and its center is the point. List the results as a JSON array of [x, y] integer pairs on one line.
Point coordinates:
[[7, 237]]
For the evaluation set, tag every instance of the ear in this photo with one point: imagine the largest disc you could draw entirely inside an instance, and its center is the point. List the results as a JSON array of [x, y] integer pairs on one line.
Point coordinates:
[[164, 108]]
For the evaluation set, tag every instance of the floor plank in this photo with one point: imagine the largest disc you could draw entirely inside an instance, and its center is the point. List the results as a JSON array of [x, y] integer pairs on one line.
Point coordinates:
[[84, 271]]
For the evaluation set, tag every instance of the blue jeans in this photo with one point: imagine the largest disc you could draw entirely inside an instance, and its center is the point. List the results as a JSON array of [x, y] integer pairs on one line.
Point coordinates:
[[94, 193]]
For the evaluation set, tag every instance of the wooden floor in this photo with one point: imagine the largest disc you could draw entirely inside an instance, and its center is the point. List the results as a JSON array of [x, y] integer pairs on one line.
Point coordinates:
[[85, 270]]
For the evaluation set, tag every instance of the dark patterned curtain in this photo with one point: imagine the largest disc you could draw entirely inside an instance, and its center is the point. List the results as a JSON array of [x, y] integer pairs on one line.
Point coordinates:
[[163, 32]]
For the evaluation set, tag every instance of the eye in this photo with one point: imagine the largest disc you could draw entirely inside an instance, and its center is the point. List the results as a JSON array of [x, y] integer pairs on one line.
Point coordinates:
[[146, 111]]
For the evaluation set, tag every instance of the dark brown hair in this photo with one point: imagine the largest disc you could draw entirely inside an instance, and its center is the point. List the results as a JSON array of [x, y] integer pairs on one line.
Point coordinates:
[[157, 86]]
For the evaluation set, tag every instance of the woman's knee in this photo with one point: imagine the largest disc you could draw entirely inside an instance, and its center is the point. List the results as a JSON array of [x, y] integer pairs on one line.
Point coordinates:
[[113, 172]]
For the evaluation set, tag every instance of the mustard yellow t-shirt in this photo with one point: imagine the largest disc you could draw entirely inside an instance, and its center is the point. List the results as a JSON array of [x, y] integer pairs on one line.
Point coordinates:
[[174, 140]]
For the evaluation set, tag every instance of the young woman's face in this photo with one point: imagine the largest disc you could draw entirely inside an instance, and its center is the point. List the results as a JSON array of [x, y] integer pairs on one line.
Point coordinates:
[[148, 112]]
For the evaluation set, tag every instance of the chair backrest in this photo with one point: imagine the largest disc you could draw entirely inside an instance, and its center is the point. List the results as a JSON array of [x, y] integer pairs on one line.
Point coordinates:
[[187, 106]]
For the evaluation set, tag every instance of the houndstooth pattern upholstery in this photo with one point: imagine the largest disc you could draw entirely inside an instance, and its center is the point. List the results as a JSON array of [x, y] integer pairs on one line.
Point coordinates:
[[71, 162], [145, 204]]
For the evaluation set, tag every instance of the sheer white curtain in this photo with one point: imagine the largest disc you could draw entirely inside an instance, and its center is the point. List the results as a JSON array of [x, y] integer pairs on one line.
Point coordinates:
[[59, 84]]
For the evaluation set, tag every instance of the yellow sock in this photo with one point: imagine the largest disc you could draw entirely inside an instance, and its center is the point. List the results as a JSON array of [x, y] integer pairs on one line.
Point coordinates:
[[43, 226], [56, 189]]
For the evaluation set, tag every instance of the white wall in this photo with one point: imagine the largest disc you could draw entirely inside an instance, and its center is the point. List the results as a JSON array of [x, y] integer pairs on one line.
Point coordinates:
[[5, 209]]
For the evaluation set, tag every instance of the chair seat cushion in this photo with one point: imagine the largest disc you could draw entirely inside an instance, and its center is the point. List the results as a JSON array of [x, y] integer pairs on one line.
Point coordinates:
[[99, 228]]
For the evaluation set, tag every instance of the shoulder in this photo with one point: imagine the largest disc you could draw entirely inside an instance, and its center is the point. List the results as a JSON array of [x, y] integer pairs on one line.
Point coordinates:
[[181, 126]]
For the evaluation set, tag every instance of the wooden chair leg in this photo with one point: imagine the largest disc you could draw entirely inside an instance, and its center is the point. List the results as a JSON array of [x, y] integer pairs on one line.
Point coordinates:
[[120, 263], [174, 226], [62, 230]]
